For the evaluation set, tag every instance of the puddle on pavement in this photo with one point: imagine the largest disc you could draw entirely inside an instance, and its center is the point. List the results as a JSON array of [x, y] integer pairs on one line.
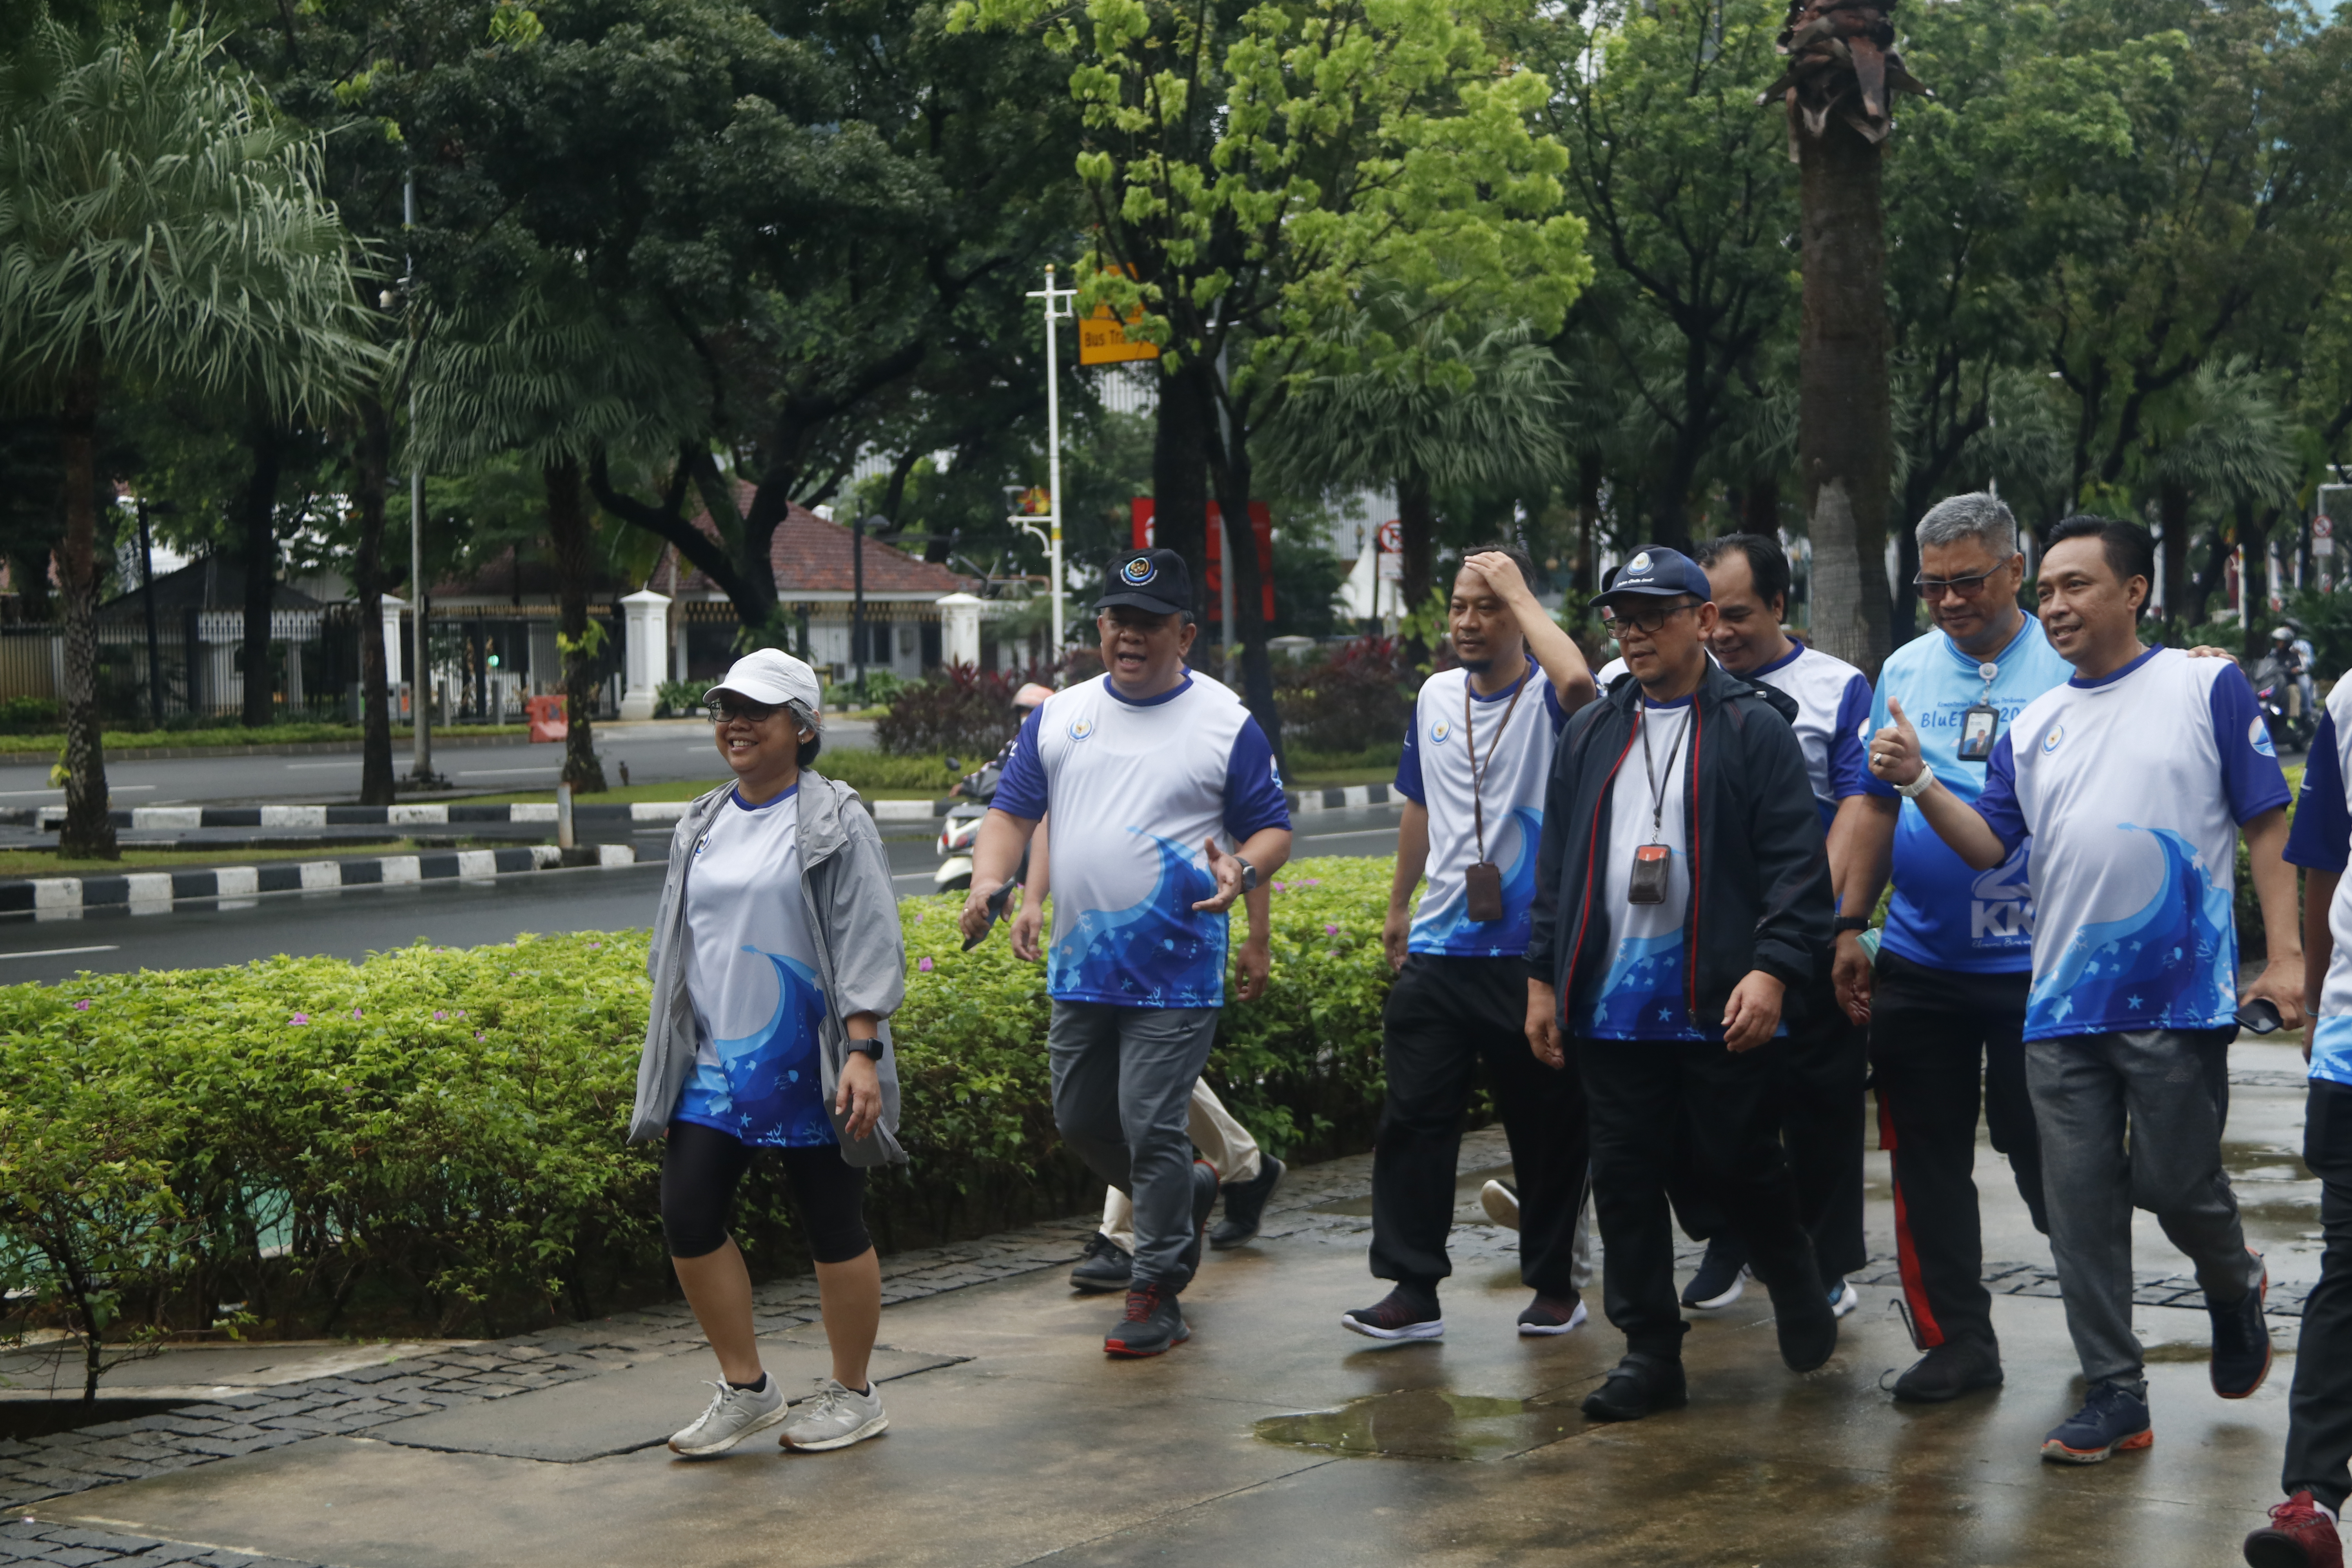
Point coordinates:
[[1425, 1424], [1465, 1191]]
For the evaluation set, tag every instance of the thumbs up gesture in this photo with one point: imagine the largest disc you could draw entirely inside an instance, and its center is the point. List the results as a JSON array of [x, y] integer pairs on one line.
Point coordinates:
[[1894, 750]]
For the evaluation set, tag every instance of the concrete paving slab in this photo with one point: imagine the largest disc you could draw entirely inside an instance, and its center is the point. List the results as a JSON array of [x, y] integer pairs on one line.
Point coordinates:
[[623, 1411]]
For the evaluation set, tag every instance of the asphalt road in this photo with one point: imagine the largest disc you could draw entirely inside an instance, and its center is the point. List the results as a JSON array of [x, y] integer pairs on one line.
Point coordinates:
[[658, 753], [354, 922]]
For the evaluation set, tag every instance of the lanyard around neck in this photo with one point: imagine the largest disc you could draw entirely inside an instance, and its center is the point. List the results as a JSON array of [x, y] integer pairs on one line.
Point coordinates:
[[1470, 743], [1649, 770]]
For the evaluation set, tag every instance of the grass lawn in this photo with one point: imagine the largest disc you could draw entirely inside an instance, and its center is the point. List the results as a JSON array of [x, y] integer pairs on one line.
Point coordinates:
[[135, 858]]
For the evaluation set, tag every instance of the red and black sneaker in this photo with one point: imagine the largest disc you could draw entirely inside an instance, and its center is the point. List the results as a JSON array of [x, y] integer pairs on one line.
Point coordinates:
[[1402, 1314], [2298, 1536], [1153, 1325]]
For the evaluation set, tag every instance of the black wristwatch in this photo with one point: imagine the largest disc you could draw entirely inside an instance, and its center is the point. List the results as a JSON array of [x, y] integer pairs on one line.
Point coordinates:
[[1853, 922], [866, 1047], [1249, 876]]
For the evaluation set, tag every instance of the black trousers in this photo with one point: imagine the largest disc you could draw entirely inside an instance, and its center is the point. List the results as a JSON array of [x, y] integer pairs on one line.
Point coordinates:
[[701, 1168], [2319, 1408], [1819, 1111], [1640, 1093], [1444, 1015], [1940, 1043]]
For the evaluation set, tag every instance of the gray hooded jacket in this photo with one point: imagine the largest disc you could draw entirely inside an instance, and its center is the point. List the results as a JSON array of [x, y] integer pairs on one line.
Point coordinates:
[[861, 957]]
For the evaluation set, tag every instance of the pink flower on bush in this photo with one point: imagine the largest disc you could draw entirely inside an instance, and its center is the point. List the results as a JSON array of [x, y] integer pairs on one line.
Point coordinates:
[[355, 1013], [82, 1005], [925, 966], [439, 1015], [1307, 882], [594, 945], [478, 1033], [1331, 929], [301, 1018]]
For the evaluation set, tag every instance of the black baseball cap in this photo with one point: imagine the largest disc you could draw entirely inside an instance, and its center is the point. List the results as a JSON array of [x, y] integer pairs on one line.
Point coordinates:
[[1657, 572], [1154, 580]]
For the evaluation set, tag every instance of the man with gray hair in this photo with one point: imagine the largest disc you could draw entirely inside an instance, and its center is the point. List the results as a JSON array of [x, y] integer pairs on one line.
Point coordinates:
[[1946, 1001]]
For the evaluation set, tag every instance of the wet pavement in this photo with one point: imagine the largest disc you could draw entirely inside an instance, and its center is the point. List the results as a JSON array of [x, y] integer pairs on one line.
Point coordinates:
[[1274, 1437]]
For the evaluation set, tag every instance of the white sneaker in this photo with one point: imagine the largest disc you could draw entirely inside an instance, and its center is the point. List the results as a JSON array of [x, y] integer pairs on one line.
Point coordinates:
[[1501, 1203], [734, 1414], [1843, 1299], [836, 1418]]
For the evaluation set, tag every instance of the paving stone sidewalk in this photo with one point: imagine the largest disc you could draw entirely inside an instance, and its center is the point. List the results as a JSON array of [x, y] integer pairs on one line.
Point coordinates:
[[1312, 1204]]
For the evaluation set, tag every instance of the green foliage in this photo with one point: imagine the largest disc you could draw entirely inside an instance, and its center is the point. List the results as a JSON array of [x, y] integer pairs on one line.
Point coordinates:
[[284, 732], [430, 1140], [966, 711], [28, 715], [861, 768], [681, 699], [883, 686], [1352, 699]]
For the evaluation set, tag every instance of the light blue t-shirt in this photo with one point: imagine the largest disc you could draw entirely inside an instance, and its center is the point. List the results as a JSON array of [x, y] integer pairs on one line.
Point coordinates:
[[1944, 915]]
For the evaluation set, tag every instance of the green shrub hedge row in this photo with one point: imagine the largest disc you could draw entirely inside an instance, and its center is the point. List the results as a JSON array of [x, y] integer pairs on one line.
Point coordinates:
[[430, 1140]]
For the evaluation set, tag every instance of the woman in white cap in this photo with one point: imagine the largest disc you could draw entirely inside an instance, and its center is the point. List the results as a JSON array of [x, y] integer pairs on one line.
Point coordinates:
[[776, 959]]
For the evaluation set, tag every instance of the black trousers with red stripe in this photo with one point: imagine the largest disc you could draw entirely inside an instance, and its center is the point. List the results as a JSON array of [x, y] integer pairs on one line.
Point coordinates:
[[1941, 1043]]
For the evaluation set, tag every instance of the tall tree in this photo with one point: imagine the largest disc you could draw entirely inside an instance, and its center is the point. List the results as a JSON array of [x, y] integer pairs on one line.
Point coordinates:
[[1842, 67], [156, 222]]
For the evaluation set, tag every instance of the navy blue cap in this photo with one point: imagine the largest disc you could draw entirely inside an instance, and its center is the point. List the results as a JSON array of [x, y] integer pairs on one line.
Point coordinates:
[[1658, 572], [1154, 580]]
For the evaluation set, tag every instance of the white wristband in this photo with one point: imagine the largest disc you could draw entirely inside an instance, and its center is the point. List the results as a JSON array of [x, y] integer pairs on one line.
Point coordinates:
[[1918, 786]]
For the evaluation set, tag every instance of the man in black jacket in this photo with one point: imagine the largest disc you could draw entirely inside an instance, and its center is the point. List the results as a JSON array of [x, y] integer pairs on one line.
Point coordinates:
[[1681, 888]]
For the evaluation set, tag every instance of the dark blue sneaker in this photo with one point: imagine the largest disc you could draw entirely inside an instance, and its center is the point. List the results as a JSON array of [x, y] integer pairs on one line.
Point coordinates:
[[1717, 1284], [2111, 1421]]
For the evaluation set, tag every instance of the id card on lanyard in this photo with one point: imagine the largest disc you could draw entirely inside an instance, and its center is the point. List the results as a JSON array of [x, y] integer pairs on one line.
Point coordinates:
[[1980, 724], [1654, 862]]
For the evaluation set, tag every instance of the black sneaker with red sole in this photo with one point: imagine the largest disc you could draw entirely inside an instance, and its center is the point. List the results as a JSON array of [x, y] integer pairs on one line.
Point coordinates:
[[1152, 1325]]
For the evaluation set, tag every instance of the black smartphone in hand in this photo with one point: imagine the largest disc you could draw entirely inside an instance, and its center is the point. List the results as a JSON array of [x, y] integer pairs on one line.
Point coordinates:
[[2260, 1016]]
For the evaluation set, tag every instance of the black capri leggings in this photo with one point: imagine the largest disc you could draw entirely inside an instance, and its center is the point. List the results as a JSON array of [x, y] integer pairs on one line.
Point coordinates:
[[700, 1168]]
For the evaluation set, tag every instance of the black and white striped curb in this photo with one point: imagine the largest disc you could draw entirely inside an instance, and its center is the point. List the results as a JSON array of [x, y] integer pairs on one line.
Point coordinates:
[[156, 892], [1341, 799]]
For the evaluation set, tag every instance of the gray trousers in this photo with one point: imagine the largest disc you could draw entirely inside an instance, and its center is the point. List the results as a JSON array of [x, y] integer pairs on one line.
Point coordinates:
[[2133, 1120], [1122, 1094]]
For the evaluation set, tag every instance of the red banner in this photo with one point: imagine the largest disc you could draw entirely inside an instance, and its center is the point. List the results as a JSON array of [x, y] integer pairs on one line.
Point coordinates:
[[1139, 513]]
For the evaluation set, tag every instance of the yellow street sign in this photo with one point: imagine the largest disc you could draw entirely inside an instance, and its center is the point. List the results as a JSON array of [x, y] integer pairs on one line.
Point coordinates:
[[1102, 338]]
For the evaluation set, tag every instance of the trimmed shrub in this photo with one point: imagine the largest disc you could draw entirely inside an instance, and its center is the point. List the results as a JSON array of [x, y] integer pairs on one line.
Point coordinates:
[[966, 711], [430, 1140], [1351, 700], [864, 769]]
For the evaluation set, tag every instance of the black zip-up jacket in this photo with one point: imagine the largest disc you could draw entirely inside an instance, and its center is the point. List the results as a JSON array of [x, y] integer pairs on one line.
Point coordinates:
[[1760, 875]]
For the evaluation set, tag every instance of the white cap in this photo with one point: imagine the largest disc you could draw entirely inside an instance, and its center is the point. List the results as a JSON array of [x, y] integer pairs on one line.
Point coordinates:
[[774, 677]]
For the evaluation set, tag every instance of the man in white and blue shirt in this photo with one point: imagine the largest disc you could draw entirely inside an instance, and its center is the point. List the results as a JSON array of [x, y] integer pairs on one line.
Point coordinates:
[[2136, 780], [1946, 999], [1167, 808], [1475, 759], [1825, 1062], [2317, 1475]]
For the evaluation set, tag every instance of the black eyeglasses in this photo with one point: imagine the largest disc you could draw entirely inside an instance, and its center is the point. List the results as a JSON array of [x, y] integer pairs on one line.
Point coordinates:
[[1644, 621], [1972, 587], [726, 712]]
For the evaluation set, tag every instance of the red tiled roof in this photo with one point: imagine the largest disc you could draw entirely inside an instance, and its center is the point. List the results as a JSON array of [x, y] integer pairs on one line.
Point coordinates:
[[501, 578], [811, 555]]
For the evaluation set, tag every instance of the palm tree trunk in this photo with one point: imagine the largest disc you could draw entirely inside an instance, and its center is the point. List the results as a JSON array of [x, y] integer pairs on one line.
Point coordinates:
[[2255, 578], [2200, 592], [567, 530], [2172, 514], [1588, 522], [375, 462], [1417, 547], [257, 524], [1179, 478], [1845, 432], [88, 833]]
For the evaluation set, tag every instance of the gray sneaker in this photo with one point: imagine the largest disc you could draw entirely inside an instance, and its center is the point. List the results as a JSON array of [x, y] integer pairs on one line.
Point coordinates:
[[734, 1414], [835, 1418]]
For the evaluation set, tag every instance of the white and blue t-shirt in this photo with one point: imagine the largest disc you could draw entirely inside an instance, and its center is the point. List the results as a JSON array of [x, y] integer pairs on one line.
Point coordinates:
[[1136, 789], [2132, 787], [1945, 913], [2321, 839], [1832, 704], [1515, 763], [750, 975], [1644, 995]]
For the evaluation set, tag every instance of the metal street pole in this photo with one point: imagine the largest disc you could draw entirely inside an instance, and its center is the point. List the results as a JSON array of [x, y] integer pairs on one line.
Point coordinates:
[[857, 604], [420, 681], [1056, 304], [154, 641]]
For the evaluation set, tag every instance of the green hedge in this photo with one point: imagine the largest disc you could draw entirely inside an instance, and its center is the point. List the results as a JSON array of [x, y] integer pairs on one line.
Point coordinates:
[[430, 1140]]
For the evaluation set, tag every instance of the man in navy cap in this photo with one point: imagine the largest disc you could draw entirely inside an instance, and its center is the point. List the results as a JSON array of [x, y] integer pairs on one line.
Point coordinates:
[[1167, 809], [1682, 891]]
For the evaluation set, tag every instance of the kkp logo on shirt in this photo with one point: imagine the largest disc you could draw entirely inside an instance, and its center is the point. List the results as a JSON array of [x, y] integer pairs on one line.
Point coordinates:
[[2257, 736], [2050, 742], [1439, 729], [1081, 727]]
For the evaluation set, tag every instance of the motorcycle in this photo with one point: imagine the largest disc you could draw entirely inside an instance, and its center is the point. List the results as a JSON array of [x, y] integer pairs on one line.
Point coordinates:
[[2280, 697], [960, 831]]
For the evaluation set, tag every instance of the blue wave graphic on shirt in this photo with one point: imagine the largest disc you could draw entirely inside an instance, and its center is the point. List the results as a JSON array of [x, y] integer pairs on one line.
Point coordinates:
[[1449, 928], [2168, 966], [1155, 953], [1640, 997], [768, 1086]]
